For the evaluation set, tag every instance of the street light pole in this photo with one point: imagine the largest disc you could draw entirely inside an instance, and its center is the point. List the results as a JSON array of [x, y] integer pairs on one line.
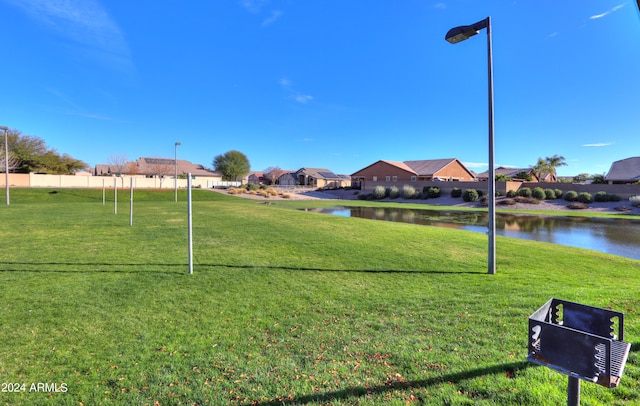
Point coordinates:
[[175, 180], [6, 161], [454, 36]]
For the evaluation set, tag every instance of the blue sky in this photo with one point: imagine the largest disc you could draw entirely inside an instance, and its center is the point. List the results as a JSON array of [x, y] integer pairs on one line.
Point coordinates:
[[324, 83]]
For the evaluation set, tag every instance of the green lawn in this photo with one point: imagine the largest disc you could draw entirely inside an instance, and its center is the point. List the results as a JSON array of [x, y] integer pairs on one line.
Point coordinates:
[[284, 306]]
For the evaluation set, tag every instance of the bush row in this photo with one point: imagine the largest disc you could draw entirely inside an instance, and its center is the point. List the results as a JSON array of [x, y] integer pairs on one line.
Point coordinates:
[[585, 197], [407, 192], [472, 195]]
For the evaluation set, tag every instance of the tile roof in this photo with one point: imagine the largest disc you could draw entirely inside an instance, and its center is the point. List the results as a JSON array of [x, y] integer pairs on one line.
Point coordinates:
[[428, 167], [157, 166], [625, 170]]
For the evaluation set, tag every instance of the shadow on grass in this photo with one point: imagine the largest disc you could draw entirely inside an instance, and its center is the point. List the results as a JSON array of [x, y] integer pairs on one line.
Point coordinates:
[[350, 393], [6, 267]]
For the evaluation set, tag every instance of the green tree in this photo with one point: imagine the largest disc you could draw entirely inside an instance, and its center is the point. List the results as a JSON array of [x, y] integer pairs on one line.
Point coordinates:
[[232, 164], [31, 154], [598, 180], [548, 166], [581, 178], [523, 175]]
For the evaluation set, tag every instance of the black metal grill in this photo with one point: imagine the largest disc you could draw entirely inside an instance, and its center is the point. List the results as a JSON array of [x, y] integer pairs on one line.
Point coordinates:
[[579, 341]]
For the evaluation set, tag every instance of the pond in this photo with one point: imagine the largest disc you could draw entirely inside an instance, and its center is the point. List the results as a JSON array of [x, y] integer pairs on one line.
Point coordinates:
[[614, 236]]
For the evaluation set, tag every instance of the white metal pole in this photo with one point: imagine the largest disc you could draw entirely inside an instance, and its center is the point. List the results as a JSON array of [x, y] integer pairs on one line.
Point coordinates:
[[103, 192], [175, 179], [115, 195], [6, 162], [131, 201], [492, 172], [190, 223]]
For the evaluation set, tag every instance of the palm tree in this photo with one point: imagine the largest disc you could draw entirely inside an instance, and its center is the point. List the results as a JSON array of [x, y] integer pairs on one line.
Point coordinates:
[[547, 166], [554, 162]]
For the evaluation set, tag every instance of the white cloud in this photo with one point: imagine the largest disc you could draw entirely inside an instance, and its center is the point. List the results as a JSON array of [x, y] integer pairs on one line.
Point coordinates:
[[275, 14], [84, 22], [294, 94], [303, 98], [284, 82], [597, 144], [253, 6], [616, 8], [595, 17], [475, 164], [440, 6]]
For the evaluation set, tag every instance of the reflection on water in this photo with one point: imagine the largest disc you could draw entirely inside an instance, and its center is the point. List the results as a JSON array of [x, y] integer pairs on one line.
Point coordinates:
[[614, 236]]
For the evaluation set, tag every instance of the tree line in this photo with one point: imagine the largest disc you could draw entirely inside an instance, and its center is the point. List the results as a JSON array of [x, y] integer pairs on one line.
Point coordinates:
[[28, 154]]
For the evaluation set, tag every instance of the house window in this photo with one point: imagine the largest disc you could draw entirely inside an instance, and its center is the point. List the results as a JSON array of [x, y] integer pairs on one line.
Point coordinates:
[[388, 178], [413, 179], [395, 178], [375, 178]]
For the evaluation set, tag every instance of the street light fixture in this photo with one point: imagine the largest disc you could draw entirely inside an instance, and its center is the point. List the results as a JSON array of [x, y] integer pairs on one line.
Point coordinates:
[[6, 160], [454, 36], [175, 180]]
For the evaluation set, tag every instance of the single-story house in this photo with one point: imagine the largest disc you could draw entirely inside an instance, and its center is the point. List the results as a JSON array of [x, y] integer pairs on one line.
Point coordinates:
[[321, 178], [156, 167], [287, 179], [511, 173], [449, 169], [624, 171], [256, 178]]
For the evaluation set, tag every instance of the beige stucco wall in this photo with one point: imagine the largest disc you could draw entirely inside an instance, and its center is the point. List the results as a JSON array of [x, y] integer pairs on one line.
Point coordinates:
[[15, 179], [71, 181]]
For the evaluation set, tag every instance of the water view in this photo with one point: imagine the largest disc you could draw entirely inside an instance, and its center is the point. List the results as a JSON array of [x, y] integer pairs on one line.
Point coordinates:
[[614, 236]]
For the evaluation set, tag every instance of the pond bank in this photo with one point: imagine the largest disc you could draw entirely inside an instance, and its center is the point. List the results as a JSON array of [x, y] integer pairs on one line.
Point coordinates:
[[545, 205]]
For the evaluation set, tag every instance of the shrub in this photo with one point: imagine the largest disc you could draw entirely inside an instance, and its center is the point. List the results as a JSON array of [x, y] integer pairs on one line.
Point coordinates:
[[529, 200], [571, 196], [558, 193], [635, 201], [271, 191], [408, 191], [585, 197], [538, 193], [286, 196], [524, 191], [365, 196], [549, 194], [601, 197], [432, 191], [470, 195], [614, 198], [511, 194], [236, 190], [253, 186], [577, 206], [509, 201], [456, 192], [393, 192], [379, 192]]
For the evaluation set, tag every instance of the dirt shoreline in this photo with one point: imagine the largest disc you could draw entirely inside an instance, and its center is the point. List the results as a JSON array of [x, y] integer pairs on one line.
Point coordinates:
[[548, 205]]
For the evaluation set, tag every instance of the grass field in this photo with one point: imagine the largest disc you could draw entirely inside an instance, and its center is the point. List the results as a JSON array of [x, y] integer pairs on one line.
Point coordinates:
[[284, 306]]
